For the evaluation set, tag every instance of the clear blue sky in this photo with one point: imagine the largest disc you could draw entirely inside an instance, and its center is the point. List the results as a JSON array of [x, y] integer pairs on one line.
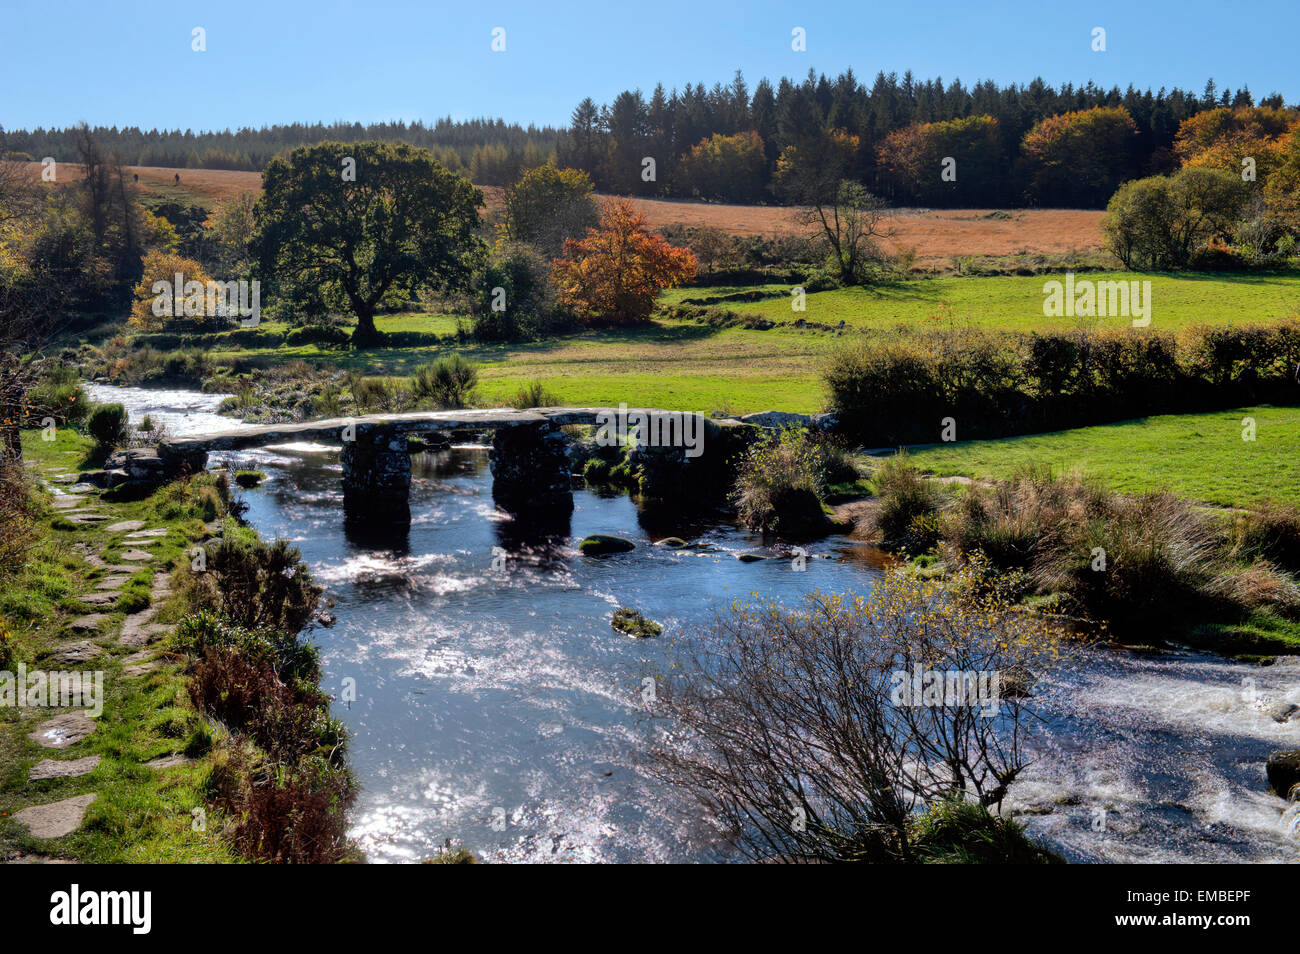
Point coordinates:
[[130, 63]]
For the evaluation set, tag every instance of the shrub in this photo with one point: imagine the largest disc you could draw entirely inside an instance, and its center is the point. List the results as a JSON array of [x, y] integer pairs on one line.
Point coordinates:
[[108, 425], [821, 693], [1270, 532], [255, 584], [516, 299], [447, 382], [1010, 521], [909, 506], [17, 520], [956, 832], [534, 394], [1138, 565], [59, 395], [596, 470], [778, 488]]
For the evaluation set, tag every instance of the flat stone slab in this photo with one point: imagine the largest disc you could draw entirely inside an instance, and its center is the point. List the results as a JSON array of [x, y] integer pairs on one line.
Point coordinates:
[[122, 526], [71, 689], [83, 488], [98, 599], [144, 635], [137, 556], [28, 859], [167, 761], [144, 655], [112, 582], [75, 653], [57, 818], [141, 534], [62, 731], [66, 502], [143, 669], [69, 768], [87, 517], [88, 624]]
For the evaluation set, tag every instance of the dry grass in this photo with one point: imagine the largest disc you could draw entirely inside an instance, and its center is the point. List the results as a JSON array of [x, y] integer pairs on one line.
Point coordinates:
[[936, 235]]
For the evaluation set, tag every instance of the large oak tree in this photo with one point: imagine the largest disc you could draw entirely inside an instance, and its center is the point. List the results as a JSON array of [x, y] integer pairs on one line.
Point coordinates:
[[355, 222]]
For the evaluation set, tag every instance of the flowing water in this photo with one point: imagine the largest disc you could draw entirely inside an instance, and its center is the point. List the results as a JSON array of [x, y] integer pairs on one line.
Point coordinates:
[[495, 706]]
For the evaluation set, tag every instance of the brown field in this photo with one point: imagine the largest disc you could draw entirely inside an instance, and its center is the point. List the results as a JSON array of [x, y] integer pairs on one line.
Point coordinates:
[[936, 235]]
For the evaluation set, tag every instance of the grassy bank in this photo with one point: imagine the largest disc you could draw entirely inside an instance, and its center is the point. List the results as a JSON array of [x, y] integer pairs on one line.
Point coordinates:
[[141, 813], [239, 776], [1199, 456]]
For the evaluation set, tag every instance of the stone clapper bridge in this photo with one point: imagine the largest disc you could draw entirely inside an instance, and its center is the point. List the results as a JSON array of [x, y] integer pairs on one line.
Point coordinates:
[[529, 457]]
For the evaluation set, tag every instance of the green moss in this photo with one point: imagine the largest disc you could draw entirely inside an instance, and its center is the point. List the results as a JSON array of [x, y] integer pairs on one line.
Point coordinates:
[[632, 623]]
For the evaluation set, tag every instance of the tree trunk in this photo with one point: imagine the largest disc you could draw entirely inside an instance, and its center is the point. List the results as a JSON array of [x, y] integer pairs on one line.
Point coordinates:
[[366, 335]]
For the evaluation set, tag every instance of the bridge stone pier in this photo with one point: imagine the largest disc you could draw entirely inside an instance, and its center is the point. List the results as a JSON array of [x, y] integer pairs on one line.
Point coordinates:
[[678, 454], [376, 475]]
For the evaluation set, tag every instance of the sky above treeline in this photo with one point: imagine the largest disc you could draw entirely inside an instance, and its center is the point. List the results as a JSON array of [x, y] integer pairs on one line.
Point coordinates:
[[133, 63]]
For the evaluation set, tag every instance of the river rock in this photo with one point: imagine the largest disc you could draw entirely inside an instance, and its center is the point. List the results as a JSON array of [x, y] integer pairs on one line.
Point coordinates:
[[601, 544], [631, 623], [1283, 771], [771, 420]]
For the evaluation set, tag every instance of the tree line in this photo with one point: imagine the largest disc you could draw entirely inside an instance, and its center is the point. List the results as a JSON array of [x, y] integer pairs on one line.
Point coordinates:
[[492, 151], [725, 142]]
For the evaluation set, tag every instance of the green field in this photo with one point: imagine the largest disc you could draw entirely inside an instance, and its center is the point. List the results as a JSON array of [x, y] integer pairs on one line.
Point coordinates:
[[1016, 302], [674, 364], [1201, 456], [689, 365]]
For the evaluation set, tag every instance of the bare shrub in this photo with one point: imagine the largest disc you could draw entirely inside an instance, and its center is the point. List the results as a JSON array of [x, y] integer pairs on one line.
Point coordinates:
[[800, 736]]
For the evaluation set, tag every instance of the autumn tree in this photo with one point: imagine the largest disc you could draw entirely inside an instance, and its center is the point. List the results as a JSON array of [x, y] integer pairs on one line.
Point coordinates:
[[1282, 190], [726, 167], [355, 222], [549, 206], [615, 274], [914, 162], [1223, 138], [163, 266], [1078, 159]]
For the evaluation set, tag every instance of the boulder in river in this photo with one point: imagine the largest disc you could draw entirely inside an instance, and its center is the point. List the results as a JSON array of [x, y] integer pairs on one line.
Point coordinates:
[[632, 623], [1283, 771], [601, 544]]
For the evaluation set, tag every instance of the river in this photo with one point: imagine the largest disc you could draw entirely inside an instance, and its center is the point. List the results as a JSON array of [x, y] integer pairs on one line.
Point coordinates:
[[495, 707]]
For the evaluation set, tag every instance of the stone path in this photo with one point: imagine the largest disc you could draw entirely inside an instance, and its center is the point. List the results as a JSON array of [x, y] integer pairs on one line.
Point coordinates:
[[59, 818], [89, 639]]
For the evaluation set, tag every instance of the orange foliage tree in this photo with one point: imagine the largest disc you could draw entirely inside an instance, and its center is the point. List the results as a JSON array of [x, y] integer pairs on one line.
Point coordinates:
[[1078, 160], [615, 274], [1222, 138]]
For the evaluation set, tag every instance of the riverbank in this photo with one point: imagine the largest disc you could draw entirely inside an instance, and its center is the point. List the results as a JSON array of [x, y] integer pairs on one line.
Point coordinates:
[[125, 768]]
